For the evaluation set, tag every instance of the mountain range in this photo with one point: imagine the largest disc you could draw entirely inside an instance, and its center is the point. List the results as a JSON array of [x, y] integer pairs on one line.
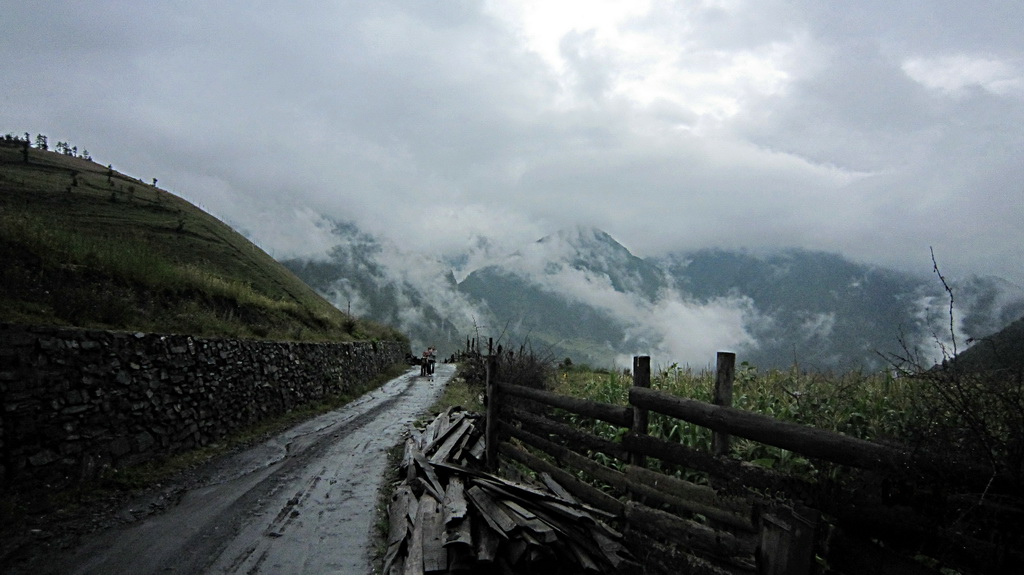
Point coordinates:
[[580, 294]]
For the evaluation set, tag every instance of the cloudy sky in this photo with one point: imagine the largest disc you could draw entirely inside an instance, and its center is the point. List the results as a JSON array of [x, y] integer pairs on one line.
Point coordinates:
[[876, 129]]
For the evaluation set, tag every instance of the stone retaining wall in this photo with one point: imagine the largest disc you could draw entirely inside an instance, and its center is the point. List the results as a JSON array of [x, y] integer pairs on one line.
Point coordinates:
[[73, 402]]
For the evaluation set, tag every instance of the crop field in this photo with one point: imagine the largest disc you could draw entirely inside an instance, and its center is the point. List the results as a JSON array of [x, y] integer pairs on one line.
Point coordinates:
[[877, 407]]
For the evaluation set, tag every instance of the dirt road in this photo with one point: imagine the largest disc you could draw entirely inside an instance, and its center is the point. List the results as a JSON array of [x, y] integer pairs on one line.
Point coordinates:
[[303, 502]]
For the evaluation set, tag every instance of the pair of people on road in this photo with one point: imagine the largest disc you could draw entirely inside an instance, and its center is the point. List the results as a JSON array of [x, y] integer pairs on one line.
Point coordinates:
[[427, 361]]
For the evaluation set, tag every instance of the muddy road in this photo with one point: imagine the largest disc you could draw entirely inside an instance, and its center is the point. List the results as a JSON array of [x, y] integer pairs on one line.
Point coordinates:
[[302, 502]]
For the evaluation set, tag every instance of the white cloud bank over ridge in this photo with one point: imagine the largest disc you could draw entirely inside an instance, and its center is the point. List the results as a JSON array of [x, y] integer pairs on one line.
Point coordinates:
[[673, 325], [684, 330], [874, 129]]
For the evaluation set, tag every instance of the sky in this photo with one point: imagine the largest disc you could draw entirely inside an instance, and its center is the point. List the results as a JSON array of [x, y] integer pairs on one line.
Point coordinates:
[[875, 129]]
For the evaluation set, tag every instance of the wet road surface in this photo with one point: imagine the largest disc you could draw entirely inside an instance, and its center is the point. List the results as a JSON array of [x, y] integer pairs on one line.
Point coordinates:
[[302, 502]]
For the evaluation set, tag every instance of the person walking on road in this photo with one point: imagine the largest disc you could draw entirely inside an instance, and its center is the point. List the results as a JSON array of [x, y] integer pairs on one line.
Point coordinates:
[[425, 363]]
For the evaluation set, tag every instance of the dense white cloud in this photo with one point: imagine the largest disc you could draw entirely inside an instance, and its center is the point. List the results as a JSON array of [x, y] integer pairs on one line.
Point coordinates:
[[876, 129], [685, 330], [955, 75]]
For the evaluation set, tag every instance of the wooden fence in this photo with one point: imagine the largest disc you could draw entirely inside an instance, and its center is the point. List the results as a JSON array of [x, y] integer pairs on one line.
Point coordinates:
[[746, 519]]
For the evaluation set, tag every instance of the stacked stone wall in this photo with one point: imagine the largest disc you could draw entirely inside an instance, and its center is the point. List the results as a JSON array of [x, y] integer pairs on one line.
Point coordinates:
[[74, 402]]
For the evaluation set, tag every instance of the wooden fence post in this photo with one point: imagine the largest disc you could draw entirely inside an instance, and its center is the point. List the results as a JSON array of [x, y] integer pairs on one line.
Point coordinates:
[[493, 407], [786, 545], [641, 378], [725, 372]]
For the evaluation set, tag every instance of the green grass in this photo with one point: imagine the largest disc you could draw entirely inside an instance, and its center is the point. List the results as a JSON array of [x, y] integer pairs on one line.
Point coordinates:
[[460, 393], [90, 247]]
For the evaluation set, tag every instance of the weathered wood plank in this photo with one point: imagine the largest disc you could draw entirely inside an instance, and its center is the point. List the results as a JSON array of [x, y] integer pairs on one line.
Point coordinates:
[[661, 557], [486, 542], [563, 510], [398, 513], [445, 432], [407, 459], [435, 555], [430, 433], [614, 414], [393, 558], [459, 532], [428, 488], [437, 426], [451, 440], [454, 499], [398, 567], [414, 558], [583, 531], [786, 541], [808, 441], [570, 457], [431, 481], [587, 493], [460, 450], [528, 520], [556, 487], [494, 515], [511, 489], [478, 449], [612, 550], [414, 509]]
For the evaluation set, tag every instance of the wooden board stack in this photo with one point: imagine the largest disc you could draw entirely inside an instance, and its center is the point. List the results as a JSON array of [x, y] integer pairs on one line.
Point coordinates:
[[447, 516]]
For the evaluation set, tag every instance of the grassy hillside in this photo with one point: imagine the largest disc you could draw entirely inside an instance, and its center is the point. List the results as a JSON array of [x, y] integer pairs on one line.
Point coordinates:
[[84, 245], [1001, 351]]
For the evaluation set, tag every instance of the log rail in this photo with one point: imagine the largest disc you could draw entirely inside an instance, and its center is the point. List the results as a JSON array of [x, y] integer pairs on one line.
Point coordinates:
[[753, 519]]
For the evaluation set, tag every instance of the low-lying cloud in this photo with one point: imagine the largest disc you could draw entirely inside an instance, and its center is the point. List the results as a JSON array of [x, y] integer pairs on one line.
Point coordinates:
[[874, 130]]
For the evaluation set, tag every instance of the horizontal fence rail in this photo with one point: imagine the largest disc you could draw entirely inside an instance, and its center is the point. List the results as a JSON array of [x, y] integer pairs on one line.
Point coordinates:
[[613, 414], [816, 443], [750, 518]]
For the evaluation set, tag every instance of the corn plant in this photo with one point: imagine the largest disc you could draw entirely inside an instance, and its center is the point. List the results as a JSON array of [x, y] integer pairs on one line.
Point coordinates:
[[867, 406]]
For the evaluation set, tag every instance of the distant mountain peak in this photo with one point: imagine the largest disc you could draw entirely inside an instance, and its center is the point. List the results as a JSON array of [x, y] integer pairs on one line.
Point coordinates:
[[584, 243], [592, 254], [580, 233]]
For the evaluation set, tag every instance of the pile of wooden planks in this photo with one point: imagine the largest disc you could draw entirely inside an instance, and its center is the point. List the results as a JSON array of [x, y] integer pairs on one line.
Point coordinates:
[[447, 516]]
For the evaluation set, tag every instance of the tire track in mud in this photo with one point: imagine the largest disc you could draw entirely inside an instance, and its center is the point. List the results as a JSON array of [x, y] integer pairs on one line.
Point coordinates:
[[302, 502]]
